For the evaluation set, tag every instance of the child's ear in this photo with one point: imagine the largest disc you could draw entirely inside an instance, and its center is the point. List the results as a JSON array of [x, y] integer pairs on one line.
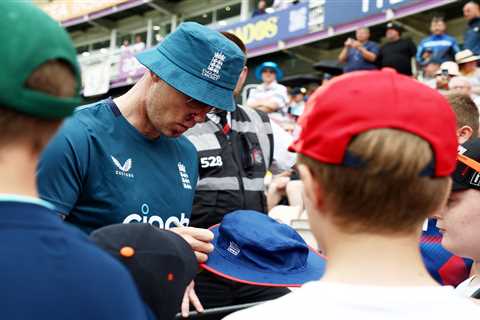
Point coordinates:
[[464, 133]]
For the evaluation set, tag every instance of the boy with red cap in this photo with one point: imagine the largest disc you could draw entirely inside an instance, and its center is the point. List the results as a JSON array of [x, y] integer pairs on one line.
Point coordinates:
[[375, 165]]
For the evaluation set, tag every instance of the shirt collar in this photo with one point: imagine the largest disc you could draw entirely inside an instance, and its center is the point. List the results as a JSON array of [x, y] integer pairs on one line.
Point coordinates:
[[271, 85], [6, 197], [474, 21]]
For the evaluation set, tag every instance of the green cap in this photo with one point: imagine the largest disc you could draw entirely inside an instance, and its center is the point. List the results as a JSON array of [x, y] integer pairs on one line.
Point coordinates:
[[29, 38]]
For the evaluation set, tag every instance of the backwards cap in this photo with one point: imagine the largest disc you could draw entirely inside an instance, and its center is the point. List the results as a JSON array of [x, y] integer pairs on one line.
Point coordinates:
[[467, 172], [30, 38], [361, 101]]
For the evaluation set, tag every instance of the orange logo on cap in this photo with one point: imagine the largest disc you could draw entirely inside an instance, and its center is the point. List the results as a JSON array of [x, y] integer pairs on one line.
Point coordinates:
[[127, 252]]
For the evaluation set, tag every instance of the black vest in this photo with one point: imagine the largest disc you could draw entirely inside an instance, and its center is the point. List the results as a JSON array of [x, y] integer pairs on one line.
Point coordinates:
[[232, 166]]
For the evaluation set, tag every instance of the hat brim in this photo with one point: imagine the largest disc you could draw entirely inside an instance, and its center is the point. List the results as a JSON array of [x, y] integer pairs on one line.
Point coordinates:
[[469, 59], [453, 74], [223, 267], [190, 85]]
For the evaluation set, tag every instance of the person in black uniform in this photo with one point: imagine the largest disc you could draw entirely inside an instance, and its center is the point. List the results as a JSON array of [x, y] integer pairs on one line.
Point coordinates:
[[235, 150], [397, 53]]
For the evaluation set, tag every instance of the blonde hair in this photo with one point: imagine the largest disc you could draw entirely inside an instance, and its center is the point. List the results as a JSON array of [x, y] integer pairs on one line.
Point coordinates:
[[387, 195]]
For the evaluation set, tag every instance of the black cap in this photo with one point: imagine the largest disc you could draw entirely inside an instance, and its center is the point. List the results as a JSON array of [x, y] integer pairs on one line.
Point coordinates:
[[467, 171], [298, 90], [160, 261], [395, 26]]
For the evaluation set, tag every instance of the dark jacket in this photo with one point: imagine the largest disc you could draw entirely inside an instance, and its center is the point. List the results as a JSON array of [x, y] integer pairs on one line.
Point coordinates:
[[472, 36]]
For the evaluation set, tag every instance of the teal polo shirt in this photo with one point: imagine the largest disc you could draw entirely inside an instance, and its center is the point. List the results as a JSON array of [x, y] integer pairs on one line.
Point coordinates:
[[100, 170]]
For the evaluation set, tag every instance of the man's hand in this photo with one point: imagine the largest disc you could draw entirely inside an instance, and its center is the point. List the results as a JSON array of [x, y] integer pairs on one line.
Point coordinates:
[[356, 44], [348, 42], [199, 239], [190, 297]]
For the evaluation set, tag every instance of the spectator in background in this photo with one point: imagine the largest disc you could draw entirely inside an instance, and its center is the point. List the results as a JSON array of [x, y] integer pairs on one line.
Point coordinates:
[[359, 54], [125, 44], [467, 63], [447, 71], [139, 44], [471, 36], [429, 71], [297, 102], [460, 222], [462, 85], [443, 47], [270, 96], [261, 8], [326, 79], [397, 53]]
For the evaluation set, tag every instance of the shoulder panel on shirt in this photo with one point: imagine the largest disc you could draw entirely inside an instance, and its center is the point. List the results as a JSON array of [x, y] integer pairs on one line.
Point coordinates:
[[63, 165]]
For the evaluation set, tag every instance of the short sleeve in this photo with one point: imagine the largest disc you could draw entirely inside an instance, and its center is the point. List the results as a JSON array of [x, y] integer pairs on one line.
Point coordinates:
[[63, 165]]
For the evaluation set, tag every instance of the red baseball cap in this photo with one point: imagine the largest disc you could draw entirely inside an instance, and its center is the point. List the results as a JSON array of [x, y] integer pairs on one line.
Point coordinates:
[[360, 101]]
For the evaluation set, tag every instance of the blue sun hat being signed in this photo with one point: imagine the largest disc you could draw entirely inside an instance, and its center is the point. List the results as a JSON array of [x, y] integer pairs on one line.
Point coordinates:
[[252, 248], [199, 62]]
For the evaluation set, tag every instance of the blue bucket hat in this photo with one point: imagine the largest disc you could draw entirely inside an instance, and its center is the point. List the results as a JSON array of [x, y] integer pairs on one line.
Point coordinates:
[[199, 62], [252, 248], [268, 65]]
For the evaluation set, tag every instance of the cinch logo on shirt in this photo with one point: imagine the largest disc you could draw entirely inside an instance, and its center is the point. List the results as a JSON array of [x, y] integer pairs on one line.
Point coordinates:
[[182, 170], [155, 220], [213, 69], [123, 169]]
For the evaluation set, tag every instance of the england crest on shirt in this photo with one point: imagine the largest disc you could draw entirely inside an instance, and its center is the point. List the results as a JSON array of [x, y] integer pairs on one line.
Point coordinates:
[[182, 170]]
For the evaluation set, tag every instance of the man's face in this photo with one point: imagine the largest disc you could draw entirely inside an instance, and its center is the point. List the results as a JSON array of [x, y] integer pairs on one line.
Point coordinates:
[[459, 223], [460, 87], [268, 75], [362, 35], [438, 27], [470, 11], [431, 69], [392, 35], [171, 112], [298, 97]]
